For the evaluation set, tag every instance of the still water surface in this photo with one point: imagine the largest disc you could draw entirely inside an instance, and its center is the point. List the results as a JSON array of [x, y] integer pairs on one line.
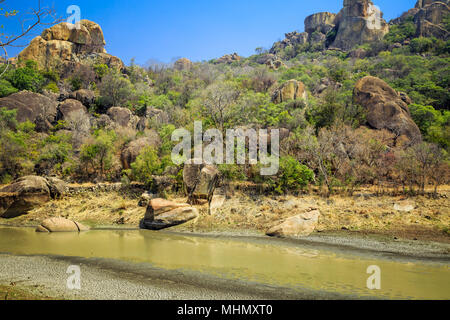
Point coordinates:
[[277, 264]]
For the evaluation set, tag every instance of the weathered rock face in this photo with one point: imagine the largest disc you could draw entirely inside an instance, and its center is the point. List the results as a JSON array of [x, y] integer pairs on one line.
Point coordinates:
[[301, 225], [163, 214], [428, 15], [63, 43], [359, 22], [386, 108], [60, 225], [322, 22], [200, 180], [290, 90], [324, 84], [33, 107], [69, 108], [292, 39], [123, 117], [429, 18], [183, 64], [132, 151], [86, 97], [157, 116], [229, 58], [28, 193]]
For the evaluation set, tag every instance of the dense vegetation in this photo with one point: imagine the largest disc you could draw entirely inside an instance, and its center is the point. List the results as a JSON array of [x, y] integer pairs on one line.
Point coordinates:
[[329, 145]]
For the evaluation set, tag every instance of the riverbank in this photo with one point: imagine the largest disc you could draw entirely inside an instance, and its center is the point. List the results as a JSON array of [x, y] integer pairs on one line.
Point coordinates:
[[419, 218]]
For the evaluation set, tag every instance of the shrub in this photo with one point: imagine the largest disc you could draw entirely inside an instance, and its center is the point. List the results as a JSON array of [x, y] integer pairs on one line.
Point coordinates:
[[146, 165], [421, 45], [293, 175], [27, 78], [6, 88], [52, 87]]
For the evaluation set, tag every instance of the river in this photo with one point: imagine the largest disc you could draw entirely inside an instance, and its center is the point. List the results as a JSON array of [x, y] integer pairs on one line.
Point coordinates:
[[247, 260]]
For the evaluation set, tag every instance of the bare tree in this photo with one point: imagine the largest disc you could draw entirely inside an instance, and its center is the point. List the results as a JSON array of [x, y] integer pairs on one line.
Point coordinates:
[[28, 22], [218, 101]]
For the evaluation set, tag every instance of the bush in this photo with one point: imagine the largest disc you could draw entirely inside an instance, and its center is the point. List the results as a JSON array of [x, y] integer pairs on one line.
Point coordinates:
[[401, 32], [421, 45], [147, 165], [52, 87], [27, 78], [98, 154], [6, 88], [293, 176]]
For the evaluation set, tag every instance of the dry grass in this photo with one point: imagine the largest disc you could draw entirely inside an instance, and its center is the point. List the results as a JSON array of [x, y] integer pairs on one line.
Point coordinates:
[[430, 220]]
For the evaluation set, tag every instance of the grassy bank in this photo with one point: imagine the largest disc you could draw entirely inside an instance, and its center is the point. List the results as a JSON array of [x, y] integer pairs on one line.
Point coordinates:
[[241, 213]]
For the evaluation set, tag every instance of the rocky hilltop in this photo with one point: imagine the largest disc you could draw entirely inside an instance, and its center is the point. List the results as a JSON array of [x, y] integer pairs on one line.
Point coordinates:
[[65, 46], [428, 16], [359, 22]]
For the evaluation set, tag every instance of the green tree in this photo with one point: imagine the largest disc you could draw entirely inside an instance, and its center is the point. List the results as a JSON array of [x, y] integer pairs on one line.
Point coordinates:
[[147, 165], [293, 176], [98, 153], [27, 78]]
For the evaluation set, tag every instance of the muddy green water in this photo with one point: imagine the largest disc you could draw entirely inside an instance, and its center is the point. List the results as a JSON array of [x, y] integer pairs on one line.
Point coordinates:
[[277, 264]]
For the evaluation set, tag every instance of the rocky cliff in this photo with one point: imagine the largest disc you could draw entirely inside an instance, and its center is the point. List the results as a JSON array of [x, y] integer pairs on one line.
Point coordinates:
[[357, 23], [428, 16], [65, 46]]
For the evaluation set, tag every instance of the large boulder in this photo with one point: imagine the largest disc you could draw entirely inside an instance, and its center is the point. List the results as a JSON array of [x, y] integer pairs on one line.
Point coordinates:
[[200, 180], [321, 22], [64, 43], [386, 109], [75, 116], [86, 97], [60, 225], [134, 148], [290, 90], [291, 39], [70, 108], [163, 214], [33, 107], [301, 225], [183, 64], [229, 58], [27, 193], [354, 24], [123, 117]]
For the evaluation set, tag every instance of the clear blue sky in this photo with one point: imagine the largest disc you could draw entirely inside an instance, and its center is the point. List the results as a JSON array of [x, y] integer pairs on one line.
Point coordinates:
[[196, 29]]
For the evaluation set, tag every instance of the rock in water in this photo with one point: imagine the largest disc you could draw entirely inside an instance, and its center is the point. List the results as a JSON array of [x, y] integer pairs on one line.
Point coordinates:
[[162, 214], [301, 225], [27, 193], [386, 108], [61, 225]]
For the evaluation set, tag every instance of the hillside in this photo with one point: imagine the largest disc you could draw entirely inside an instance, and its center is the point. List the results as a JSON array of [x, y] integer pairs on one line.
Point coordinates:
[[356, 105]]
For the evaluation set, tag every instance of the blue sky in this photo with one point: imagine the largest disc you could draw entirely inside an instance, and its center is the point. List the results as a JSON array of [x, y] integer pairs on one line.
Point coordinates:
[[196, 29]]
